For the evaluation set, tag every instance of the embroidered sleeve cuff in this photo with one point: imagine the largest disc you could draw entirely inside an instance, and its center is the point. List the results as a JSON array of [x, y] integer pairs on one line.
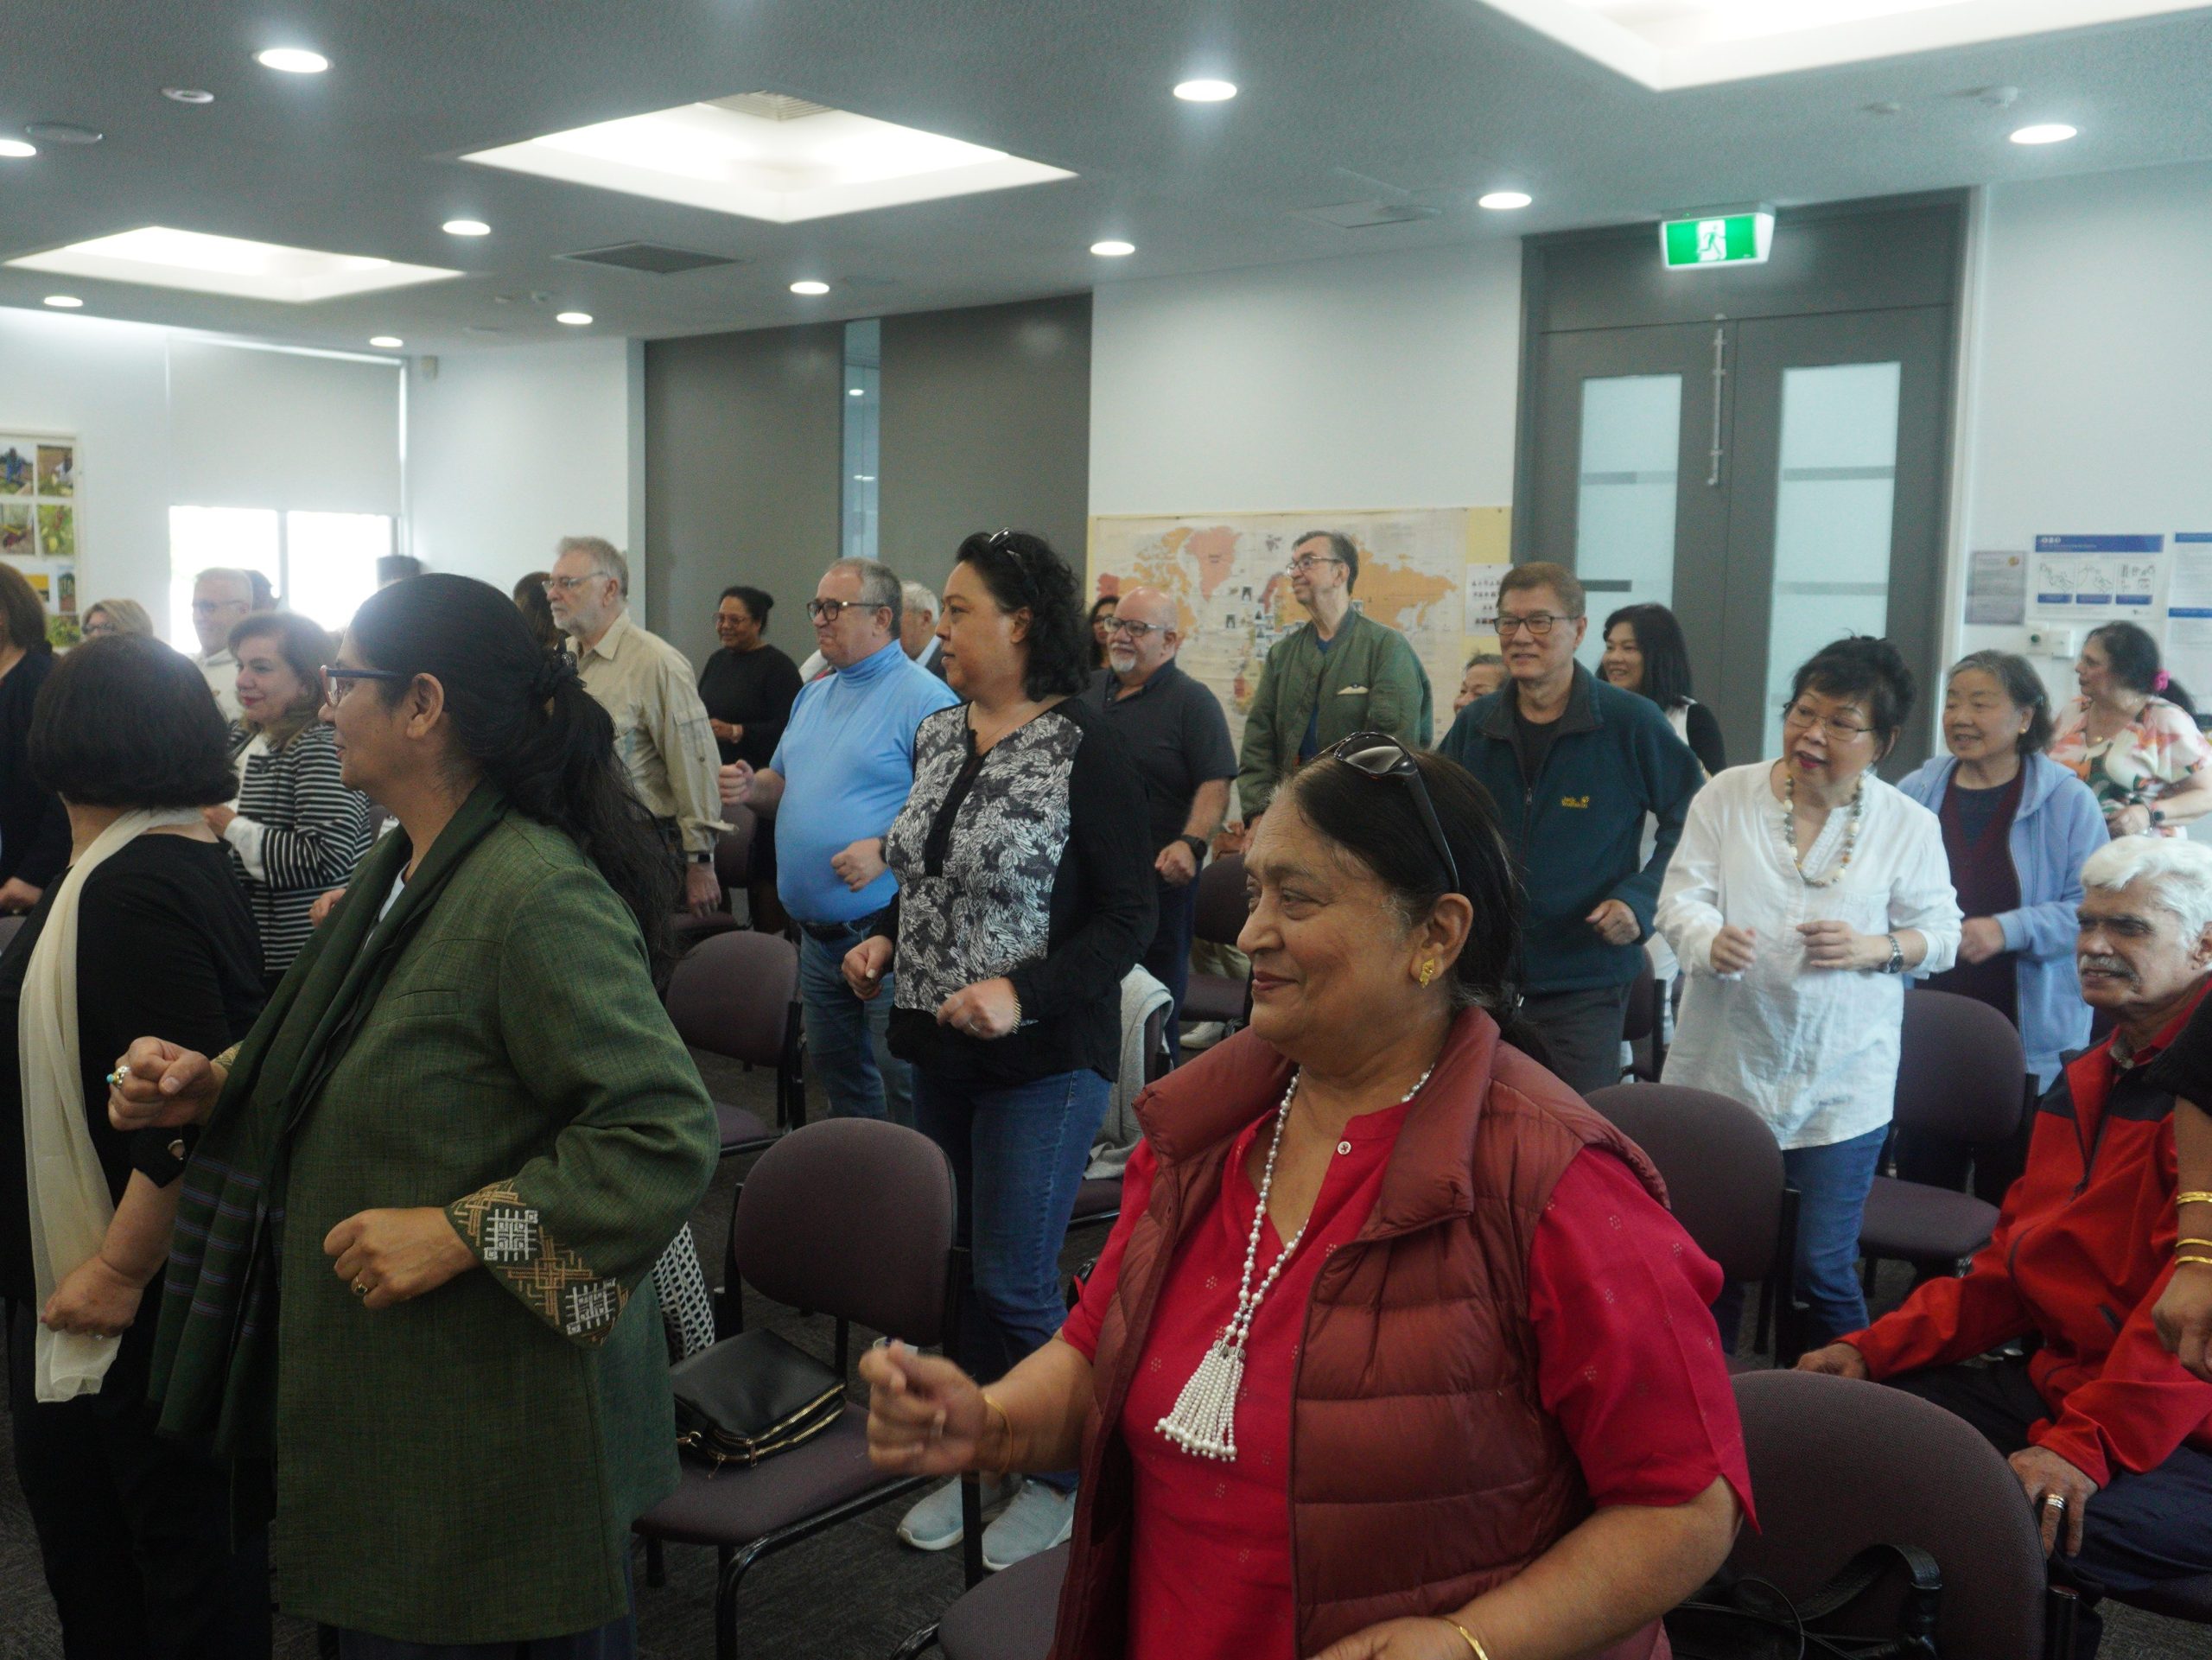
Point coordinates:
[[552, 1281]]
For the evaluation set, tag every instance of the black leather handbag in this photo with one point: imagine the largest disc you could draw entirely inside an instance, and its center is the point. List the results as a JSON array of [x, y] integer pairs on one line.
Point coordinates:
[[751, 1396], [1742, 1619]]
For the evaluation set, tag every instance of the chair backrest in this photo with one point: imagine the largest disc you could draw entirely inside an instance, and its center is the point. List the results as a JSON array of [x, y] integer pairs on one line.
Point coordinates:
[[1722, 1165], [851, 1217], [1838, 1465], [733, 848], [1218, 916], [1157, 1060], [731, 996], [1642, 1017], [1960, 1070]]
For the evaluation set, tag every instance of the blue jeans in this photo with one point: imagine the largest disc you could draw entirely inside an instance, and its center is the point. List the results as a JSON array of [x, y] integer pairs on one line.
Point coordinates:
[[1017, 1152], [1832, 1183], [845, 1037], [1167, 958]]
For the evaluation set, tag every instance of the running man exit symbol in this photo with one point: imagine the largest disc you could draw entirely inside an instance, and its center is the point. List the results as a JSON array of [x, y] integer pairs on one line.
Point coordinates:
[[1711, 240]]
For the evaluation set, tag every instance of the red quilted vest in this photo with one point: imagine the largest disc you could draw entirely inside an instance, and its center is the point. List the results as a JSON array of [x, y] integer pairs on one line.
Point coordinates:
[[1423, 1467]]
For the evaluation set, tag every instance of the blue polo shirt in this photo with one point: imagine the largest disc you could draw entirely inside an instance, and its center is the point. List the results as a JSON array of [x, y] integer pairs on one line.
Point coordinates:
[[847, 760]]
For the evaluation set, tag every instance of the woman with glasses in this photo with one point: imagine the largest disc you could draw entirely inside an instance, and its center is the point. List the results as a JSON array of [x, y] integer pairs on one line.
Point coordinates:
[[1645, 653], [106, 617], [1802, 891], [2131, 736], [1386, 1300], [1025, 868], [416, 1231], [1103, 610]]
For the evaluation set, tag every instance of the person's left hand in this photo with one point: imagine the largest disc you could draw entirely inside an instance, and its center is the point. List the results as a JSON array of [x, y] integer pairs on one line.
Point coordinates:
[[17, 896], [1176, 865], [728, 731], [2044, 1473], [394, 1256], [218, 818], [2133, 819], [860, 863], [1979, 939], [94, 1300], [319, 912], [1615, 923], [985, 1009], [1834, 945], [1401, 1640], [702, 889], [2183, 1317]]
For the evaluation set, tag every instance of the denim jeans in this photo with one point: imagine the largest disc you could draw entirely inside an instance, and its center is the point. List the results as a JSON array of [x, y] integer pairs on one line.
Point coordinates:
[[845, 1041], [1832, 1183], [1017, 1152], [1168, 959]]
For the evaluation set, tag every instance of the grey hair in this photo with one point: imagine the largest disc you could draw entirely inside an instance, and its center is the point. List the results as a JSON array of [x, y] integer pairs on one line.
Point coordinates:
[[602, 553], [228, 574], [2180, 869], [919, 598], [879, 584]]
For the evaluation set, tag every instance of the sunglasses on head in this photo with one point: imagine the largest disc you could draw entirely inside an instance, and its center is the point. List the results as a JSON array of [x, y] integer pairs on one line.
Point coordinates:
[[1378, 755]]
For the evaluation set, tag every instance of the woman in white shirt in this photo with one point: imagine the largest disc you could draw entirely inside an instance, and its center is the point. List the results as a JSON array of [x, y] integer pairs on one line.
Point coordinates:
[[1802, 891]]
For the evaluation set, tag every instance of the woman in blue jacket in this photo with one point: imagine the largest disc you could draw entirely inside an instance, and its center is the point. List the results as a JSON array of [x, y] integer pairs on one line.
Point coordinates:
[[2016, 827]]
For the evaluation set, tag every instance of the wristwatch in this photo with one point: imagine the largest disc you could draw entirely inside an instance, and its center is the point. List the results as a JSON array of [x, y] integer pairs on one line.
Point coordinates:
[[1896, 964], [1198, 846], [702, 858]]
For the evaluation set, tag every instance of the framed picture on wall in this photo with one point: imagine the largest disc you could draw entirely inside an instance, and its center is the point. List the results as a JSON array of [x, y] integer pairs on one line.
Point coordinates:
[[40, 521]]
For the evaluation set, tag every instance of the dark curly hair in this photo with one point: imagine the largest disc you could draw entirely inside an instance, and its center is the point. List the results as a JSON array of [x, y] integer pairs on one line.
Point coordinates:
[[1024, 574], [1865, 669], [125, 721], [2133, 651]]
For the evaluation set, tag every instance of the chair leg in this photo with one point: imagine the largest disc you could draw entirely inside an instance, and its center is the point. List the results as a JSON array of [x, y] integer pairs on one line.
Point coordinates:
[[971, 1529], [919, 1643], [656, 1564], [2061, 1614], [730, 1574]]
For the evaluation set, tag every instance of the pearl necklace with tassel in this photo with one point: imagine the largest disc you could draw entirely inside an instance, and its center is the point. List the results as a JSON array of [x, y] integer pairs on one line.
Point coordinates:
[[1204, 1421]]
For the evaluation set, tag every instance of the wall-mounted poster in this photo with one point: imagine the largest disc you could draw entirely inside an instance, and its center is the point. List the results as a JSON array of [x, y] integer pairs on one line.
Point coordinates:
[[16, 530], [40, 526], [16, 474], [57, 469]]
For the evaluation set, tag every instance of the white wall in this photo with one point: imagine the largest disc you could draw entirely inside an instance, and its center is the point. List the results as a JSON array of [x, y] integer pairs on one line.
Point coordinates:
[[1375, 380], [508, 451]]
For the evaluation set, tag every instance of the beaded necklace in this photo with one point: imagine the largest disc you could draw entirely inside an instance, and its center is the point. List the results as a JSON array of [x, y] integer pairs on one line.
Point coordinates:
[[1790, 831], [1203, 1421]]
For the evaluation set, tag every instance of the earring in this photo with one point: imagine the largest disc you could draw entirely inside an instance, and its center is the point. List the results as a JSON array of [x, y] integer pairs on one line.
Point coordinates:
[[1427, 972]]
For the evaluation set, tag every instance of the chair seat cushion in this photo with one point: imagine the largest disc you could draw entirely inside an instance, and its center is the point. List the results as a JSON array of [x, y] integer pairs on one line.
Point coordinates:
[[738, 1503], [1739, 1363], [1009, 1616], [741, 1128], [689, 930], [1098, 1196], [1919, 1224], [1212, 997]]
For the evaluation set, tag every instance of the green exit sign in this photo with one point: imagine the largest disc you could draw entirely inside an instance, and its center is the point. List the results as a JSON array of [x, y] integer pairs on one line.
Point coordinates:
[[1742, 238]]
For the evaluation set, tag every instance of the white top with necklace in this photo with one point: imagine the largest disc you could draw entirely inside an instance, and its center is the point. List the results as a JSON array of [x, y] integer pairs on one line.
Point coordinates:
[[1813, 1050]]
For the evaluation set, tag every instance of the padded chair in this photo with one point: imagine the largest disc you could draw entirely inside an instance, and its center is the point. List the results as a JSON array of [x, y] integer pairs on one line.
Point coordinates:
[[1099, 1199], [733, 870], [852, 1217], [736, 995], [1838, 1465], [1008, 1617], [1960, 1068], [1641, 1025], [9, 925], [1219, 918], [1725, 1186]]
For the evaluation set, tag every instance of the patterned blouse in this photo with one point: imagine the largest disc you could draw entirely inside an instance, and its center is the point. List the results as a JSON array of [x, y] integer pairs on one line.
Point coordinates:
[[2157, 752]]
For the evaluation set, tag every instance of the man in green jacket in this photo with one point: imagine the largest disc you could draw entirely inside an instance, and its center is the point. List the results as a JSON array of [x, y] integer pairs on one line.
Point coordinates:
[[1575, 766], [1342, 673]]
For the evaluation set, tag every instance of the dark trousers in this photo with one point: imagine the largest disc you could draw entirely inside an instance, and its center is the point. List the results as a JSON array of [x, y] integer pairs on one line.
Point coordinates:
[[1582, 1031], [134, 1528], [2139, 1530], [1168, 959], [616, 1640]]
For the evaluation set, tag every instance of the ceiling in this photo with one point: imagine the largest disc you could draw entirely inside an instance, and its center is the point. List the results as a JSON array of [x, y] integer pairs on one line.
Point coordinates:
[[1425, 103]]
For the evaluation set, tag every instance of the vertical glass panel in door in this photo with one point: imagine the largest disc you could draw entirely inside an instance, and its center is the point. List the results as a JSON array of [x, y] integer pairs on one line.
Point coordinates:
[[1625, 504], [1833, 508]]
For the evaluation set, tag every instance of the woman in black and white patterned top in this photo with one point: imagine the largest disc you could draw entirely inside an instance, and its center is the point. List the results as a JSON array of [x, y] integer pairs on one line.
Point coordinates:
[[1025, 894], [295, 830]]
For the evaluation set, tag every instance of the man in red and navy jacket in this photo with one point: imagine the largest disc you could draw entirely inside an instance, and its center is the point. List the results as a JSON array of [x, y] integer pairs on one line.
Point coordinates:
[[2111, 1438]]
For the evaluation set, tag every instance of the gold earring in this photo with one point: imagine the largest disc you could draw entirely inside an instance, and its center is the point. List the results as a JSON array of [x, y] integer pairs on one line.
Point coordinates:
[[1427, 972]]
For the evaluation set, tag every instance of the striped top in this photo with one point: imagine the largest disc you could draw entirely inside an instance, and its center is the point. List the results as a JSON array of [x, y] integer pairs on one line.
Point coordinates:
[[299, 832]]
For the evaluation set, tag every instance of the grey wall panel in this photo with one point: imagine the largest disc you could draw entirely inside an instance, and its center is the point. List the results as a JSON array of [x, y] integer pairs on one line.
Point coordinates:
[[986, 423], [743, 435]]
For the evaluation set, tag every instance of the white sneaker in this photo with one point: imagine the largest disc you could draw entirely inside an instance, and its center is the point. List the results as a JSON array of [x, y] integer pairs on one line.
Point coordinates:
[[1038, 1518], [1204, 1034], [935, 1524]]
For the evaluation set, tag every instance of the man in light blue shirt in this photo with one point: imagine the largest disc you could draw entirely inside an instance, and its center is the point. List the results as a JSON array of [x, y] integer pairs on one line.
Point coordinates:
[[837, 780]]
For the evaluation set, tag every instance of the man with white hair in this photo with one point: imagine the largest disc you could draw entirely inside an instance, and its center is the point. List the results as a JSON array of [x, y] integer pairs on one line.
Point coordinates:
[[918, 628], [2110, 1436], [222, 598]]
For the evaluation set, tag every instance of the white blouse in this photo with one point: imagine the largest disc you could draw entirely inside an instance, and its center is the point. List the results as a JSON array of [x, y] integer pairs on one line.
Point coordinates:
[[1813, 1050]]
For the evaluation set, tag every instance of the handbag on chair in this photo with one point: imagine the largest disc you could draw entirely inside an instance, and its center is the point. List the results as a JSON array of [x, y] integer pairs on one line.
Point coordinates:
[[1737, 1618], [751, 1396]]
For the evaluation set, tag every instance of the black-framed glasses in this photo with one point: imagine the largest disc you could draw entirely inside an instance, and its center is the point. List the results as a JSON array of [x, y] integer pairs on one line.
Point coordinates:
[[1538, 623], [830, 610], [341, 679], [1306, 565], [1136, 631], [1379, 755]]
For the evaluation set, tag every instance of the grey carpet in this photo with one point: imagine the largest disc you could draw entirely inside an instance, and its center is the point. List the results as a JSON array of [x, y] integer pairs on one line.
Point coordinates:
[[850, 1595]]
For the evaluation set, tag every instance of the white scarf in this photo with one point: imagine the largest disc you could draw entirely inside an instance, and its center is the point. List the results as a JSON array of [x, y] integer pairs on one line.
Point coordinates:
[[70, 1209]]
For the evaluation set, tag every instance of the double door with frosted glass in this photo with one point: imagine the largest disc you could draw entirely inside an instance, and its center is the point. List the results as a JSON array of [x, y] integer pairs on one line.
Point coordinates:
[[1776, 480]]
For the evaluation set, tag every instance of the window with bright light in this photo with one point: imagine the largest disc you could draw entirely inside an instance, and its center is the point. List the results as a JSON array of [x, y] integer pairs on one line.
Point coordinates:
[[321, 565], [248, 538]]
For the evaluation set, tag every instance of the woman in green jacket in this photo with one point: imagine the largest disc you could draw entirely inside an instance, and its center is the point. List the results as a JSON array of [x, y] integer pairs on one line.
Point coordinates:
[[458, 1138]]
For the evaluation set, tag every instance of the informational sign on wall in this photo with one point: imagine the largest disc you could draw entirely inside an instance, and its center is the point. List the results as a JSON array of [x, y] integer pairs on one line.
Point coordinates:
[[1997, 588], [2189, 611], [38, 522], [2096, 579]]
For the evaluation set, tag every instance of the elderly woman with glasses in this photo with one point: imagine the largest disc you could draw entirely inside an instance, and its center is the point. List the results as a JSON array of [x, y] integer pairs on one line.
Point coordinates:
[[106, 617], [1387, 1301], [1802, 891]]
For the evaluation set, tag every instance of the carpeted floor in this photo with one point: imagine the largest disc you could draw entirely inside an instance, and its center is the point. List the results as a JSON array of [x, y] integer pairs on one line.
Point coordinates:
[[851, 1595]]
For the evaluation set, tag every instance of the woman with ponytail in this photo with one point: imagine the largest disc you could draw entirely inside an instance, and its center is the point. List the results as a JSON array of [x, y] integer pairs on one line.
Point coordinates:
[[409, 1299], [2131, 736]]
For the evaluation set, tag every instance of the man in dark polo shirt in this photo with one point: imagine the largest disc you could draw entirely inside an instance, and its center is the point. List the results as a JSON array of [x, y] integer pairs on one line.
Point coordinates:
[[1176, 731]]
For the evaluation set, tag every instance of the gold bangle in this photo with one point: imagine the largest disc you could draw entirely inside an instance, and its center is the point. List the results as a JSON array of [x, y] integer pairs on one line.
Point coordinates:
[[2204, 1261], [1008, 1422], [2183, 1244], [2181, 1199], [1473, 1642]]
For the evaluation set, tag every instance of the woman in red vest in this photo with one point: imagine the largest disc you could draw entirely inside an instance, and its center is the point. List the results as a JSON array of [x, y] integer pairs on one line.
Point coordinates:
[[1395, 1353]]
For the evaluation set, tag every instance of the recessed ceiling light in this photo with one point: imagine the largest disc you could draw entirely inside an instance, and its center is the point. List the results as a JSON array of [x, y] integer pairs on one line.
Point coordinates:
[[1503, 201], [857, 392], [809, 288], [2048, 132], [64, 302], [15, 149], [186, 95], [221, 265], [292, 60], [1112, 250], [574, 319], [386, 342], [466, 227], [1205, 91]]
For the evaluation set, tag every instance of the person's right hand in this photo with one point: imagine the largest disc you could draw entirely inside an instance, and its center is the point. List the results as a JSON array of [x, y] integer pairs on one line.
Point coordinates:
[[18, 897], [2183, 1317], [1838, 1360], [319, 912], [736, 782], [925, 1416], [1734, 949], [164, 1087], [865, 966]]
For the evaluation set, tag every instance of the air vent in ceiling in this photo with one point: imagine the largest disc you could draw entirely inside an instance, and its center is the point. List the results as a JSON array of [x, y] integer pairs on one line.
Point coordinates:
[[770, 106], [650, 257], [1365, 215]]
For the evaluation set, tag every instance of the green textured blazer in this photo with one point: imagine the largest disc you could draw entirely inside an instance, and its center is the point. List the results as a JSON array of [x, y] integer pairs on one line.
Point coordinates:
[[465, 1468]]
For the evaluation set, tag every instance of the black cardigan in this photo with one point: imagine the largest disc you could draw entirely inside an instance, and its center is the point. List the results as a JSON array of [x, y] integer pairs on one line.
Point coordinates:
[[33, 829]]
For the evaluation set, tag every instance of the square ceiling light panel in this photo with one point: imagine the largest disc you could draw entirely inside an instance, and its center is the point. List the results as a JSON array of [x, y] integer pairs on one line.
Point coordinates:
[[1667, 44], [223, 264], [765, 156]]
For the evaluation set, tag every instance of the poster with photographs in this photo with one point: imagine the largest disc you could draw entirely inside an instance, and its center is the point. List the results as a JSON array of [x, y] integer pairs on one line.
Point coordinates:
[[39, 527]]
